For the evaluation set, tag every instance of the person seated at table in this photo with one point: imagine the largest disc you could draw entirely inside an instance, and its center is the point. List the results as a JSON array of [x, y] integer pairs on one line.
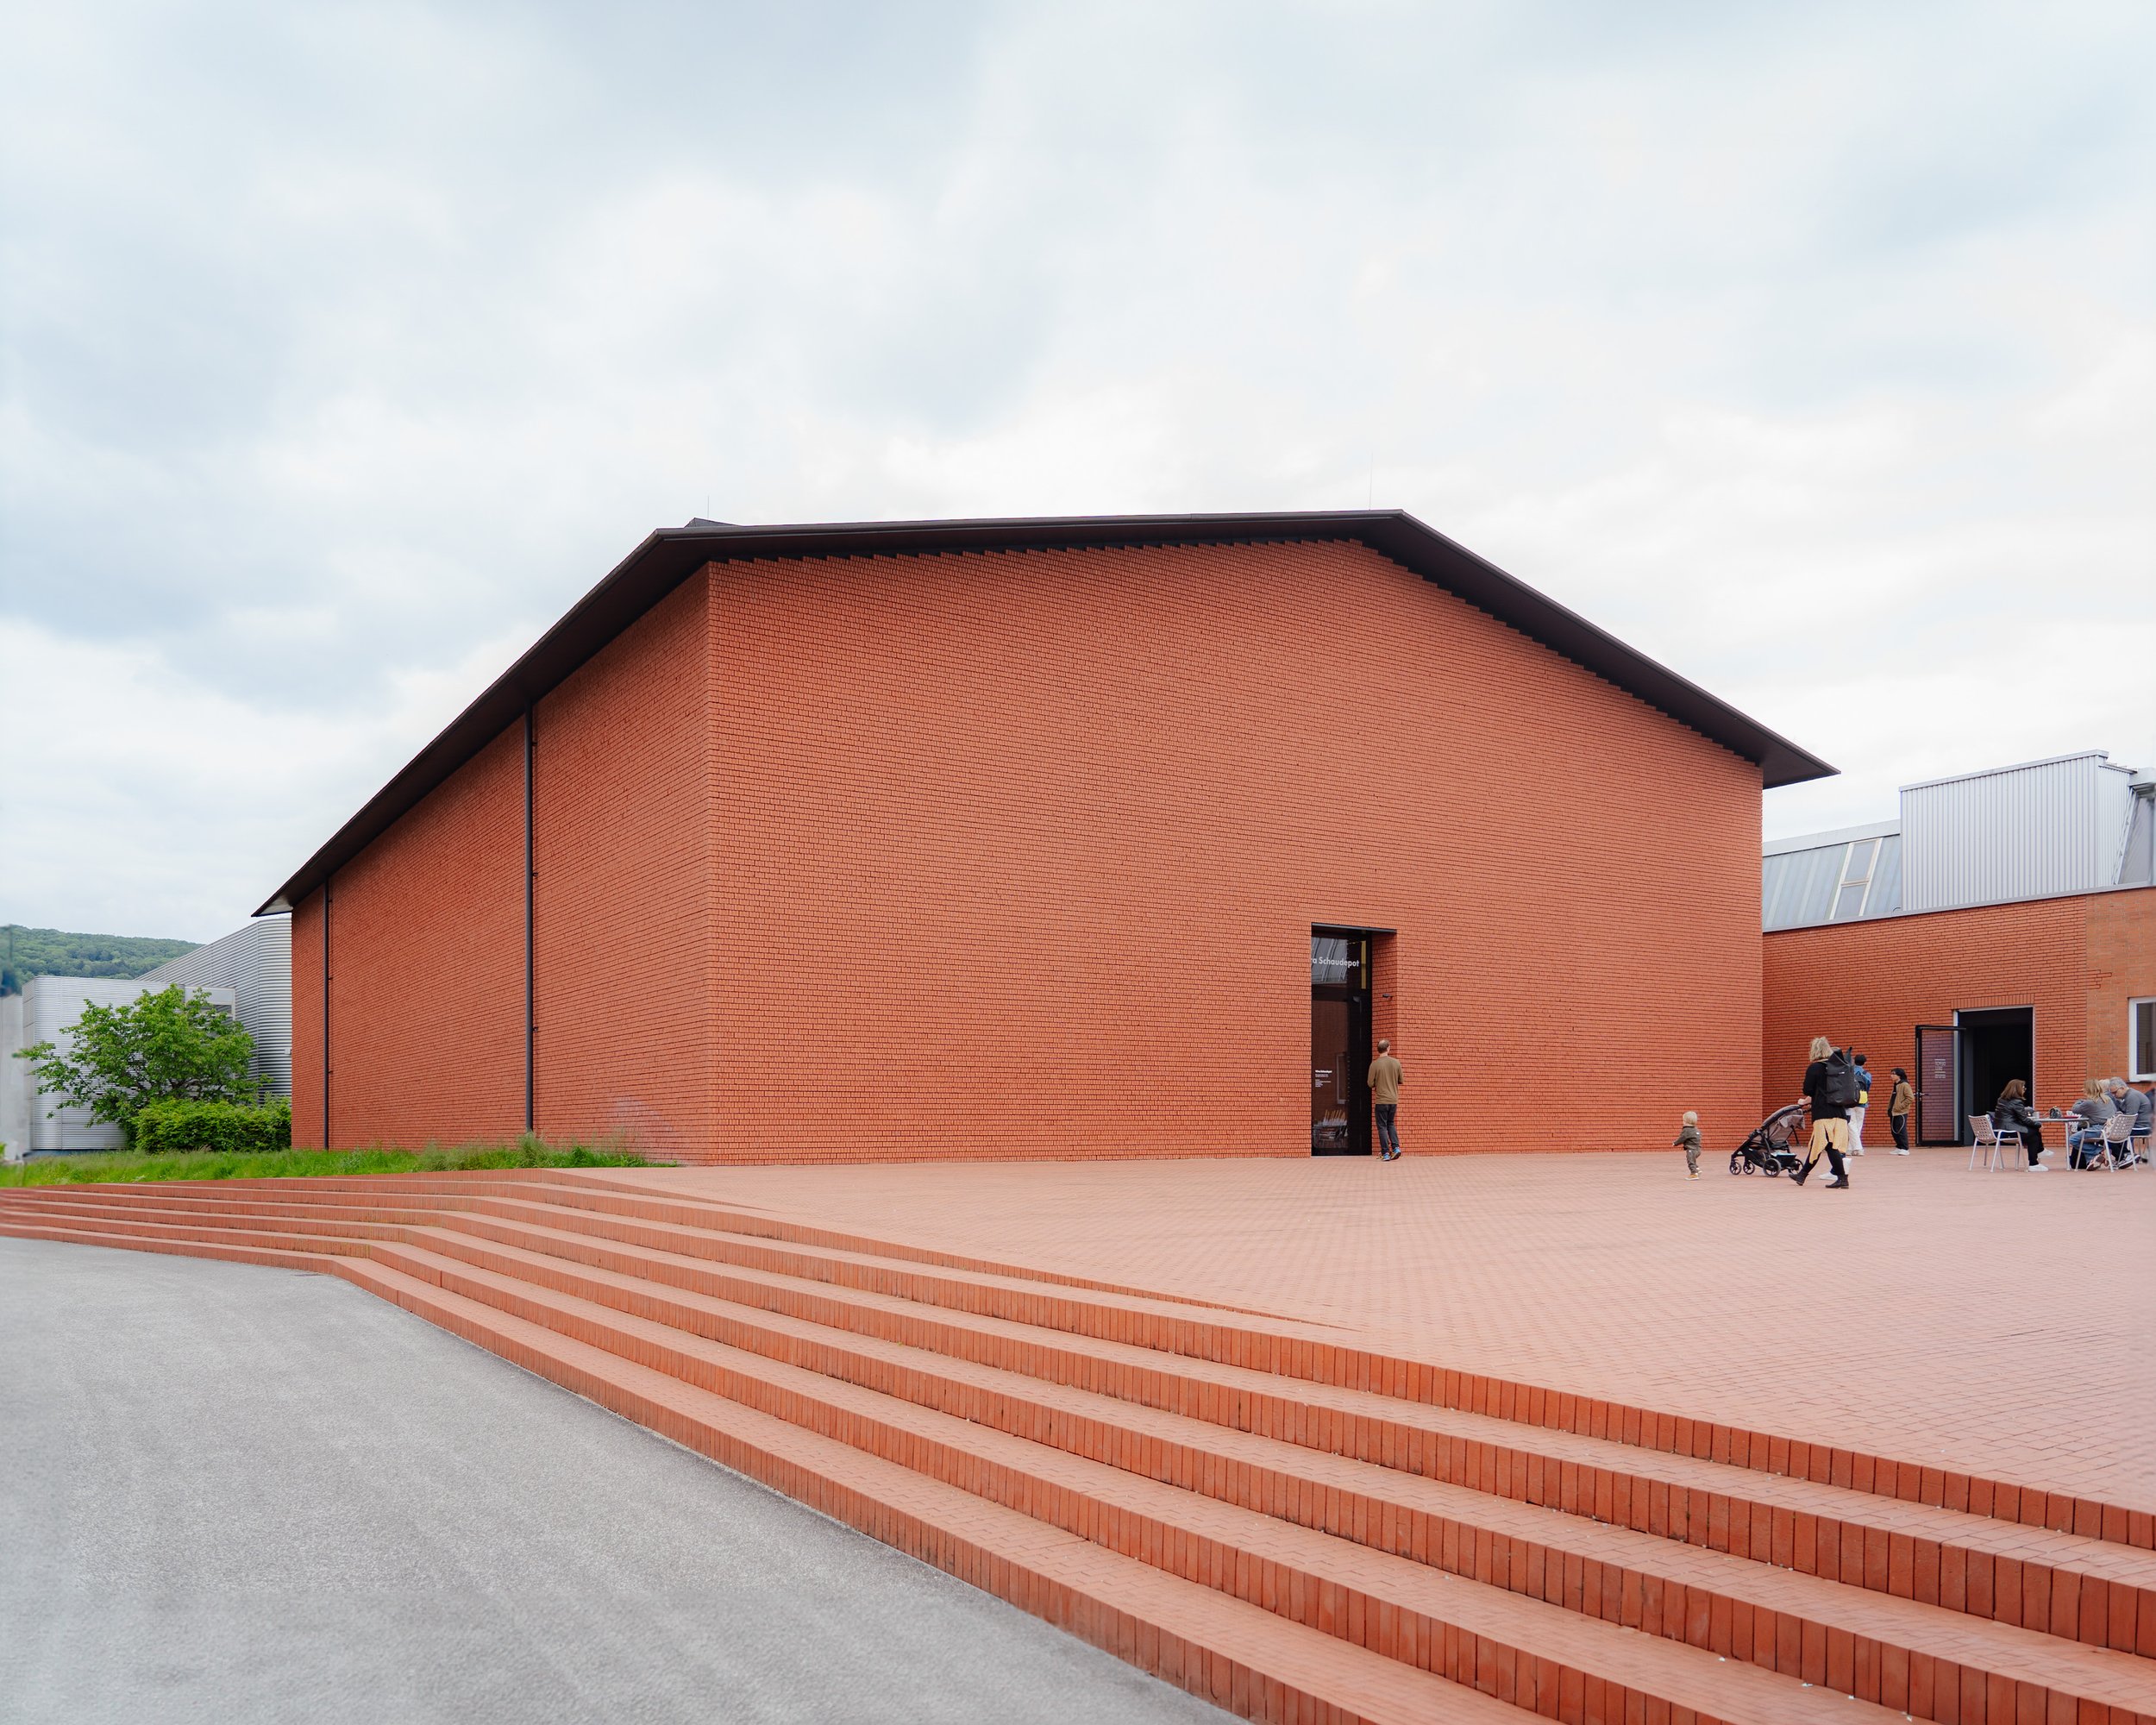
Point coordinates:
[[2012, 1113], [2093, 1110], [2129, 1101]]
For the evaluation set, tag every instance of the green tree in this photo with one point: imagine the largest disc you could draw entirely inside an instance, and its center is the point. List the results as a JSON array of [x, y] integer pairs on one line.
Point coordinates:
[[156, 1047]]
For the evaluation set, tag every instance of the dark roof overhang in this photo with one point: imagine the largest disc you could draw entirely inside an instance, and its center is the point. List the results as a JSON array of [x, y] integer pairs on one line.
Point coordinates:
[[671, 554]]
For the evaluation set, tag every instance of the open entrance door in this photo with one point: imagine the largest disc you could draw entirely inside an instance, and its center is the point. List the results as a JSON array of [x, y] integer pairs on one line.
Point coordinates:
[[1996, 1045], [1339, 1044]]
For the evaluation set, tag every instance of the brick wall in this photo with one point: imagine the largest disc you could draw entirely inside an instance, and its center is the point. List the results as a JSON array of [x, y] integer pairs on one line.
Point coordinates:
[[1020, 853], [1017, 854], [426, 972], [1868, 985], [2121, 967], [624, 900]]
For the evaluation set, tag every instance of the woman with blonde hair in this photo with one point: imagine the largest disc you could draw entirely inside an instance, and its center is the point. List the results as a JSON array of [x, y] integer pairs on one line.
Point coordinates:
[[2093, 1110], [1830, 1086]]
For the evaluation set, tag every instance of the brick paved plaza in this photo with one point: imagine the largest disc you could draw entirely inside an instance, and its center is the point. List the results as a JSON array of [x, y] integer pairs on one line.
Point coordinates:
[[2000, 1322]]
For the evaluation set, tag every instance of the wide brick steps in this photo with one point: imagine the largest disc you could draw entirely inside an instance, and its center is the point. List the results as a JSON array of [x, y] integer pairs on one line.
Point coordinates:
[[1292, 1547]]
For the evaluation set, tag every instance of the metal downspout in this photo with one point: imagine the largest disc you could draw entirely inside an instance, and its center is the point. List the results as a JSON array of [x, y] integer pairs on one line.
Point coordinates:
[[328, 891], [531, 1022]]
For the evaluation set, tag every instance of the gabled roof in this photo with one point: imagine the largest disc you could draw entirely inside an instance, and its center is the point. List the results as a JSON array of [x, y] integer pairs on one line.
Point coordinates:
[[670, 555]]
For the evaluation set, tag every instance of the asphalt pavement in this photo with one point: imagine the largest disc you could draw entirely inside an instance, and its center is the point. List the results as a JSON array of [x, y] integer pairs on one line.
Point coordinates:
[[237, 1496]]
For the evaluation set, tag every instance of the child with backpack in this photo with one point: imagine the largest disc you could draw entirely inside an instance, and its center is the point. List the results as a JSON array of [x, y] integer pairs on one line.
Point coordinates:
[[1687, 1141]]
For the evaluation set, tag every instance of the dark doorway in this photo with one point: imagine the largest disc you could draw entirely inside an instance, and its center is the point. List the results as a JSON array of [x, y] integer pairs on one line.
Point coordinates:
[[1997, 1045], [1340, 1043]]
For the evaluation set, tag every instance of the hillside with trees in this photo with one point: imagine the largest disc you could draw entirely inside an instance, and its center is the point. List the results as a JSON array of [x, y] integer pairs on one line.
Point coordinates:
[[27, 952]]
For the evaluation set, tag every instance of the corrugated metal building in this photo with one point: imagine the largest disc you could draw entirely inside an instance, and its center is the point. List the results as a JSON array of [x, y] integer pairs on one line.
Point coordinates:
[[2004, 927], [2073, 824], [255, 962], [2029, 831]]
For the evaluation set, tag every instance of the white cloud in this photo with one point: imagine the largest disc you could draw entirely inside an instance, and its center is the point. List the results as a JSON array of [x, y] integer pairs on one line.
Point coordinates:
[[130, 782], [345, 345]]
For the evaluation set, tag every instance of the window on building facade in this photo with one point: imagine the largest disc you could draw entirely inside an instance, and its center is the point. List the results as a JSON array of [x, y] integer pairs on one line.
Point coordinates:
[[1856, 880], [2141, 1036]]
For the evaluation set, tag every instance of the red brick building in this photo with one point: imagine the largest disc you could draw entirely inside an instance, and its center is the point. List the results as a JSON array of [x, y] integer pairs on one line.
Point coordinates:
[[2054, 991], [1035, 839], [2002, 926]]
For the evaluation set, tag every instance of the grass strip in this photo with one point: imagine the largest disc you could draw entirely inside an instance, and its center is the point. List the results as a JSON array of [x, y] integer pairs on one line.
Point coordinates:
[[285, 1164]]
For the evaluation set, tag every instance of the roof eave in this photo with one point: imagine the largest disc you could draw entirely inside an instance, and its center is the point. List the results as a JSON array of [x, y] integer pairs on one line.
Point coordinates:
[[669, 555]]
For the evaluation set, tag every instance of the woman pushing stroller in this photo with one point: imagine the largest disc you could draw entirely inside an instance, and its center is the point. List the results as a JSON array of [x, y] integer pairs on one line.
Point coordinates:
[[1831, 1086]]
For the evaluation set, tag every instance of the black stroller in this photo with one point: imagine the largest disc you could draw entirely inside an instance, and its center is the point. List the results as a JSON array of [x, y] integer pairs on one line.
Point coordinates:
[[1767, 1149]]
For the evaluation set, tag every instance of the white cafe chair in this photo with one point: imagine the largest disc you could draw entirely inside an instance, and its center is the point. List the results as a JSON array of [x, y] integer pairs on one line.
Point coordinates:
[[1991, 1143], [2111, 1154]]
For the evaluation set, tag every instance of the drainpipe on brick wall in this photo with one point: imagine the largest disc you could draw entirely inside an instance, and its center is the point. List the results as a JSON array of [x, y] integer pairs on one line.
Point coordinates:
[[325, 1010], [531, 1022]]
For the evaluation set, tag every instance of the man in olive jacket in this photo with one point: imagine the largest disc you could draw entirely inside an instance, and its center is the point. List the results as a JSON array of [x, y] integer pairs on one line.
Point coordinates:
[[1385, 1100]]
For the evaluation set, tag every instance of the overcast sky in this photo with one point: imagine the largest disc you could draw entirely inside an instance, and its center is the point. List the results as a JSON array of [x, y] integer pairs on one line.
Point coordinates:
[[1810, 348]]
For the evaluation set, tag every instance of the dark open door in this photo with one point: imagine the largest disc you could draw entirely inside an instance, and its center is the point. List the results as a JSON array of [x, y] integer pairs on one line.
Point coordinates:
[[1938, 1084], [1339, 1044]]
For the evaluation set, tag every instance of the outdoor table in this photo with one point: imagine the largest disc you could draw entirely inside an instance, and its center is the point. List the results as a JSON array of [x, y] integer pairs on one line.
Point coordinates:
[[2067, 1123]]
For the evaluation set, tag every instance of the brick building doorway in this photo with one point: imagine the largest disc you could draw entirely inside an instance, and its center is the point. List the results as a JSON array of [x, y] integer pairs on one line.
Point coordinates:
[[1997, 1045], [1339, 1041]]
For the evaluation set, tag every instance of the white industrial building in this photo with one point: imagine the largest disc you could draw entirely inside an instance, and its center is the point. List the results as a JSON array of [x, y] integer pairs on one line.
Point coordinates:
[[249, 973], [31, 1122]]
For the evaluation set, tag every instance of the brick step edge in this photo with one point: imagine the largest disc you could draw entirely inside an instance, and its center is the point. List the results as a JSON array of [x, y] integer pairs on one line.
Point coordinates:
[[2034, 1590], [2109, 1618], [1835, 1546], [746, 1235], [1240, 1657], [549, 1185], [1350, 1367], [1835, 1542], [1797, 1645], [1375, 1598], [1497, 1668], [777, 1452]]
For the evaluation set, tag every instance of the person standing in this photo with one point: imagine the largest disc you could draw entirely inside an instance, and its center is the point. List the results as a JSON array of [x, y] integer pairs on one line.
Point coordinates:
[[1830, 1086], [1385, 1078], [1899, 1107], [1863, 1103]]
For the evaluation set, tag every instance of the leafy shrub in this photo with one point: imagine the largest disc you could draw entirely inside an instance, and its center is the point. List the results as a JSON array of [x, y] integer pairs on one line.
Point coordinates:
[[220, 1128]]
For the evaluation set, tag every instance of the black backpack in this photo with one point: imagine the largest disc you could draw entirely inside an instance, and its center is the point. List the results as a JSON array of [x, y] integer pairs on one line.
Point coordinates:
[[1838, 1084]]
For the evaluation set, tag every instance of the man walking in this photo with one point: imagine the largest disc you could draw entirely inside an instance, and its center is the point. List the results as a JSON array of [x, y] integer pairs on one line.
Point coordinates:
[[1385, 1099]]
